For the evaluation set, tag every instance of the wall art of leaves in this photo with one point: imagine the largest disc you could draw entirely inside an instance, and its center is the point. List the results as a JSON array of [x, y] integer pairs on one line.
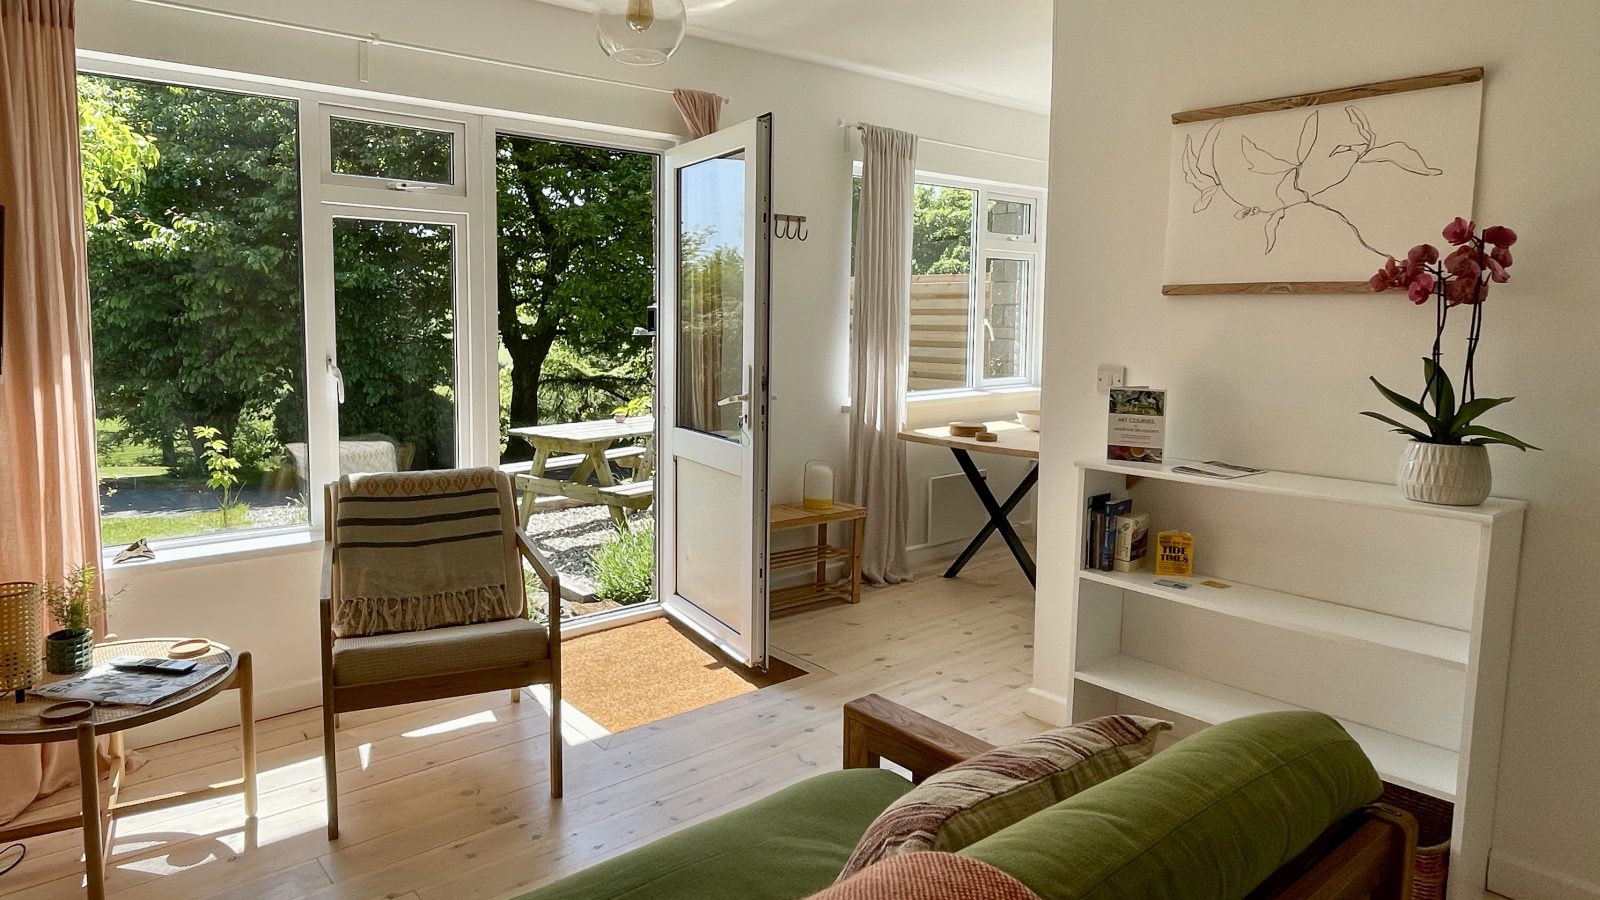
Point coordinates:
[[1319, 193]]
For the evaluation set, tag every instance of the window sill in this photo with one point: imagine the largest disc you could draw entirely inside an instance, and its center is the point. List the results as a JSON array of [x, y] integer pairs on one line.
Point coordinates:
[[969, 394], [212, 552]]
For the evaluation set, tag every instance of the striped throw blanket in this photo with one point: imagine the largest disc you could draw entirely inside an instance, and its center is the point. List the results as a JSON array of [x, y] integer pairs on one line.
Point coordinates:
[[419, 550]]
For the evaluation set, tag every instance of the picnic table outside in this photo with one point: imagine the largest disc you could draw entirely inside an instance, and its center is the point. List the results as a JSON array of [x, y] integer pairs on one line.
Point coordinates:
[[587, 448]]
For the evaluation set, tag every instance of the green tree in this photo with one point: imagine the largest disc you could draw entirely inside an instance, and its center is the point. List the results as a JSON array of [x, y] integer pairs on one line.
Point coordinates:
[[942, 223], [576, 266], [194, 258]]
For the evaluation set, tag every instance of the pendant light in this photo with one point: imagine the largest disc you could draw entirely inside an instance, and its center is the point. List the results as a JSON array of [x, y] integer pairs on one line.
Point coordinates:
[[639, 32]]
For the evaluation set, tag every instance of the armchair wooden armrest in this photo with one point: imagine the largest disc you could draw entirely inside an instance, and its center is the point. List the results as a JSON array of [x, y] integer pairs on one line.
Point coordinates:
[[548, 577], [876, 729]]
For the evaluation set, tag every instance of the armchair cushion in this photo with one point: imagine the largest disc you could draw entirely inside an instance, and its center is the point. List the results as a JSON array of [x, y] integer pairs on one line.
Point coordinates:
[[438, 651]]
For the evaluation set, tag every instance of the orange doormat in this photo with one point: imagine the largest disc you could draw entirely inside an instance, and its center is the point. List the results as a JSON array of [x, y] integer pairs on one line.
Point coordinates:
[[645, 672]]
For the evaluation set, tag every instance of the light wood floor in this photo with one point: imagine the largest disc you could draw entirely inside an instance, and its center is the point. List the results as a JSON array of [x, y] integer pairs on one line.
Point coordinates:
[[449, 801]]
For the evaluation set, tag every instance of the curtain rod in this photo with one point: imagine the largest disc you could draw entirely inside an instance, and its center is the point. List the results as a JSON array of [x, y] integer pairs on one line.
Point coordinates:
[[845, 123], [374, 40]]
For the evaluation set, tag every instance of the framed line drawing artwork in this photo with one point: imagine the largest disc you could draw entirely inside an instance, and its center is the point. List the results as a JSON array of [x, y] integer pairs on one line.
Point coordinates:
[[1311, 193]]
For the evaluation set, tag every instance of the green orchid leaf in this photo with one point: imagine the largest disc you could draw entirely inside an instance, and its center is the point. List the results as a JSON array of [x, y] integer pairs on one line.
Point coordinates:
[[1474, 408], [1403, 429], [1490, 436], [1406, 403], [1442, 392]]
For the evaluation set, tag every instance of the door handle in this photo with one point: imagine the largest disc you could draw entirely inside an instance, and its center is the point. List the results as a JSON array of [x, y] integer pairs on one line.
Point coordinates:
[[736, 398], [338, 379]]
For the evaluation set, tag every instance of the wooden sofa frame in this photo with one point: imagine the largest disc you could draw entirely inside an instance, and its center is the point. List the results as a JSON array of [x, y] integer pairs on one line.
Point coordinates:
[[336, 699], [1368, 854]]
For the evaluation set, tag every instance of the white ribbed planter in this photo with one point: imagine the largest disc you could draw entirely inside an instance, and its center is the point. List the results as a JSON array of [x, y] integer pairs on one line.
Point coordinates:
[[1445, 474]]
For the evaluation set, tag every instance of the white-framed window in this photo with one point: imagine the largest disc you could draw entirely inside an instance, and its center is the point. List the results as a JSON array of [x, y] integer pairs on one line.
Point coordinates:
[[312, 273], [976, 285]]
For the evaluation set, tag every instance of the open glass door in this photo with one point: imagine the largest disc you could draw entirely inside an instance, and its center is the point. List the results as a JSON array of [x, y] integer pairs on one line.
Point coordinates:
[[712, 419]]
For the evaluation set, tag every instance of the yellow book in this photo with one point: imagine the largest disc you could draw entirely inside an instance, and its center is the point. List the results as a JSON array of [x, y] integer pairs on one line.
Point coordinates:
[[1175, 553]]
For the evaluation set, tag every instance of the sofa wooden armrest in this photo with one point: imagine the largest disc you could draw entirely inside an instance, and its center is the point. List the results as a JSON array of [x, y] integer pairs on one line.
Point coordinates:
[[876, 729], [1367, 854]]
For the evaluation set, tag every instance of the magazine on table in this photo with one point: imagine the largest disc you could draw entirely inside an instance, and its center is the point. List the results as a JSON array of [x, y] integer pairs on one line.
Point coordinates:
[[105, 684]]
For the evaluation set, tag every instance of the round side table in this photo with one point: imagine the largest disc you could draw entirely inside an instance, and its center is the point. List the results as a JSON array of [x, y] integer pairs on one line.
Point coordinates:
[[20, 724]]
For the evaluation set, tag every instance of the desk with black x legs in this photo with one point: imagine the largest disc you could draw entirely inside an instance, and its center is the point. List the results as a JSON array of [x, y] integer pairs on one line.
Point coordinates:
[[1014, 440]]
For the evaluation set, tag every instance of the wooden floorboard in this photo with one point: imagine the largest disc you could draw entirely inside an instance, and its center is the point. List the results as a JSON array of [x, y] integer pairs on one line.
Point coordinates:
[[450, 801]]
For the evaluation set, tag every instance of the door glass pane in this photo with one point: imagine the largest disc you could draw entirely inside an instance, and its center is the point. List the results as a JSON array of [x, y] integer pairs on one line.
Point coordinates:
[[1011, 217], [711, 298], [941, 287], [394, 285], [1004, 313], [381, 150]]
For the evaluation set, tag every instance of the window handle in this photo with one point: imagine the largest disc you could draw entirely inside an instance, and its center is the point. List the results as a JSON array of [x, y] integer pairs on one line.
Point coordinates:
[[338, 379]]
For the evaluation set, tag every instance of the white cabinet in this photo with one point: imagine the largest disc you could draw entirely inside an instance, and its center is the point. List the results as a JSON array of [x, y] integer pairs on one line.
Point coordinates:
[[1342, 596]]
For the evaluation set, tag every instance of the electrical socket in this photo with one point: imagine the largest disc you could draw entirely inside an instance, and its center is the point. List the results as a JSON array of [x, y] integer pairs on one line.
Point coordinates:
[[1108, 377]]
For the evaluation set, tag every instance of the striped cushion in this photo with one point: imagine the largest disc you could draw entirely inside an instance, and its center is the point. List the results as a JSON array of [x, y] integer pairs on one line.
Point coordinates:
[[389, 657], [928, 876], [992, 791], [421, 550]]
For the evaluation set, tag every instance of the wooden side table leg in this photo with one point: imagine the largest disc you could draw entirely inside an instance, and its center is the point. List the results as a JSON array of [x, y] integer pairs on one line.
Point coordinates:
[[857, 542], [822, 561], [247, 729], [94, 863]]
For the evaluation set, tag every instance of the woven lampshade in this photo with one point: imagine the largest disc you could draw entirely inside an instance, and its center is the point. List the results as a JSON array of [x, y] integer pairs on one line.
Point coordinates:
[[20, 662]]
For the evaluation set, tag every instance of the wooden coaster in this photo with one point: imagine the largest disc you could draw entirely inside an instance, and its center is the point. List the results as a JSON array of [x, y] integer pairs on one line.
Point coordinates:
[[965, 429], [189, 649], [69, 711], [987, 437]]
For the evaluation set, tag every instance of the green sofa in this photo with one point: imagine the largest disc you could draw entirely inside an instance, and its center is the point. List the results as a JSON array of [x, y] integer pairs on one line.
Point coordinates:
[[1272, 805]]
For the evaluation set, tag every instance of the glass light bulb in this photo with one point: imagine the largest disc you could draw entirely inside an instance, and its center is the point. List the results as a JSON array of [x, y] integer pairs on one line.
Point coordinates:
[[639, 32]]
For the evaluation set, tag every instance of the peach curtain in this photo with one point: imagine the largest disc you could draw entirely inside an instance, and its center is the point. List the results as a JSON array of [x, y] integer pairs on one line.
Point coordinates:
[[701, 110], [49, 516]]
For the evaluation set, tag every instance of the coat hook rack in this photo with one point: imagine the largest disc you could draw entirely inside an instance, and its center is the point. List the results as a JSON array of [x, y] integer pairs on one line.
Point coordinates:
[[789, 228]]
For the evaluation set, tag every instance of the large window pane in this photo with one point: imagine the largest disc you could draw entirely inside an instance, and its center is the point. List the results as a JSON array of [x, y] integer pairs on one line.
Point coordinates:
[[941, 287], [394, 291], [192, 203], [1004, 318], [711, 297], [382, 150]]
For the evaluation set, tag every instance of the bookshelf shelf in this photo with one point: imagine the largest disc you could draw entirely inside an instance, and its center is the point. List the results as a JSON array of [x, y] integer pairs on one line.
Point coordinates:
[[1392, 616], [1302, 614], [1401, 760]]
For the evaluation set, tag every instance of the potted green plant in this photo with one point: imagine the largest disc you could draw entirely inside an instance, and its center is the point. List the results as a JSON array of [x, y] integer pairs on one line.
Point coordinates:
[[1446, 461], [73, 603]]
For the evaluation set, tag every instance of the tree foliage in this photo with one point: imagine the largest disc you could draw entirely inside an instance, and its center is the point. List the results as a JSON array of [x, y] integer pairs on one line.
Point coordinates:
[[576, 267], [194, 257], [942, 223]]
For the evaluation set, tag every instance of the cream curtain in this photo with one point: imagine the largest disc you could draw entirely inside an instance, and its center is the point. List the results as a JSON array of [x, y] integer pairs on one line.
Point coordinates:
[[49, 516], [879, 352], [701, 110]]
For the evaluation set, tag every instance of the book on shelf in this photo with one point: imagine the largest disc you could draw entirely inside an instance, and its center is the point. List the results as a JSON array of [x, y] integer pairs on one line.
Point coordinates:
[[1108, 537], [1094, 530], [1137, 427], [1132, 542]]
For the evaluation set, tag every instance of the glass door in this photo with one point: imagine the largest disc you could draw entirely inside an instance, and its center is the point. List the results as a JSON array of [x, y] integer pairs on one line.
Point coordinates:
[[712, 423]]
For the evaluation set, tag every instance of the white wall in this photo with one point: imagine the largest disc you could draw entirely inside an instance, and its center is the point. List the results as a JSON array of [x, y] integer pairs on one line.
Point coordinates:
[[267, 604], [1278, 381]]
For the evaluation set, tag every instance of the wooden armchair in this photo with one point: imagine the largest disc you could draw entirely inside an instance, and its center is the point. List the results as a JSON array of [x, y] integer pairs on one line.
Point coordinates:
[[1368, 854], [376, 657]]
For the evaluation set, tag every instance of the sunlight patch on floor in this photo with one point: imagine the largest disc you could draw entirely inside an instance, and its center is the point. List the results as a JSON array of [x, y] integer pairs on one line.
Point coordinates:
[[483, 718]]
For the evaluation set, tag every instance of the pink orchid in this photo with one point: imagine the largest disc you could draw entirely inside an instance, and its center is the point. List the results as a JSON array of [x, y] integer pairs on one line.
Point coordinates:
[[1420, 289], [1463, 262], [1501, 255], [1459, 231], [1497, 272], [1499, 235], [1423, 253], [1459, 291]]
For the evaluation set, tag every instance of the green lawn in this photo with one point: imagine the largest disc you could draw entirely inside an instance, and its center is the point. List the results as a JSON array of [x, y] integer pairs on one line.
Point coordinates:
[[121, 531]]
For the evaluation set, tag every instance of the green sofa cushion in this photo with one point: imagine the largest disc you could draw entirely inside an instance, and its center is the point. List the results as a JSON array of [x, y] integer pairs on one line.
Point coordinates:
[[788, 845], [1209, 818]]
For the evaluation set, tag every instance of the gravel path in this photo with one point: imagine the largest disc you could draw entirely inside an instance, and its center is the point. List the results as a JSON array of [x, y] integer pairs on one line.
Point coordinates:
[[570, 537]]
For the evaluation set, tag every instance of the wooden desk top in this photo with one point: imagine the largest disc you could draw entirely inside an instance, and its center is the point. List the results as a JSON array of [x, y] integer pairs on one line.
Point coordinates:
[[1015, 440]]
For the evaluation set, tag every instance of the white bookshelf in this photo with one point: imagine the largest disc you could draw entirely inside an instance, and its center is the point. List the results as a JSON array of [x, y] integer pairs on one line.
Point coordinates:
[[1392, 616]]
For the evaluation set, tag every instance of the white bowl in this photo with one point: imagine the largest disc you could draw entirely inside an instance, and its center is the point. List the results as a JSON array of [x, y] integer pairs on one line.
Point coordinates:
[[1029, 418]]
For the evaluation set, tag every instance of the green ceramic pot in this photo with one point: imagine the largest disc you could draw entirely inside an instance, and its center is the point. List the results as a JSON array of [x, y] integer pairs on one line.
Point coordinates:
[[68, 652]]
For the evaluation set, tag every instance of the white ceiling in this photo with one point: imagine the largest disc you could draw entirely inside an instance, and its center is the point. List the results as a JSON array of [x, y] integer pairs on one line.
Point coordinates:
[[996, 50]]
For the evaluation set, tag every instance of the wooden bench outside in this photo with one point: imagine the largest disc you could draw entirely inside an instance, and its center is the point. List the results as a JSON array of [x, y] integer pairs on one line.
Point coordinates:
[[633, 495]]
